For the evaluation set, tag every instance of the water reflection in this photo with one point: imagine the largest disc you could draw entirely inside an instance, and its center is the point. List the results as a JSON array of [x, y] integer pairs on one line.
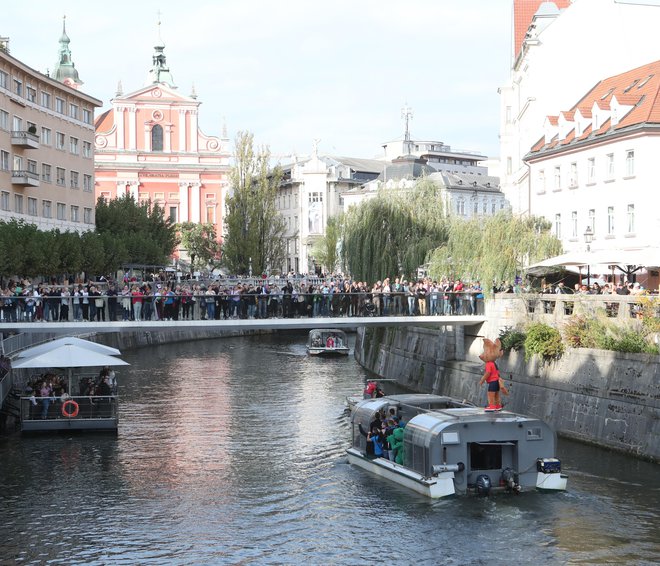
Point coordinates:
[[231, 452]]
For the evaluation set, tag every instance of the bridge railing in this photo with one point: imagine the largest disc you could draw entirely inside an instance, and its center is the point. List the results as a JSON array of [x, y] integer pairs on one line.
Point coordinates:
[[224, 304]]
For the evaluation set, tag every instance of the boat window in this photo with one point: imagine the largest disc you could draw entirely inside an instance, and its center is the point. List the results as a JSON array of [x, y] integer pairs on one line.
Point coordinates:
[[485, 456], [450, 438], [534, 433]]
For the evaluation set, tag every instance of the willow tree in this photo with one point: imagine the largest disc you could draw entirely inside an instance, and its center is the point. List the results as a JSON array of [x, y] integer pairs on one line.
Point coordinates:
[[254, 238], [392, 234], [326, 249], [493, 249]]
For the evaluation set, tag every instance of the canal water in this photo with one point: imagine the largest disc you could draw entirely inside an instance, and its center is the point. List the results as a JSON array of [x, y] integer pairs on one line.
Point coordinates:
[[232, 452]]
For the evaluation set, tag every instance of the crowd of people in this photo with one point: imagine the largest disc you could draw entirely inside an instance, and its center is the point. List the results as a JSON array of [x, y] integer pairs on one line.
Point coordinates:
[[192, 300]]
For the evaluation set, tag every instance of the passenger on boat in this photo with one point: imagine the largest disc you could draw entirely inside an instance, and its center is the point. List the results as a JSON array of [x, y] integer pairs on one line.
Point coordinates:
[[330, 342], [45, 392], [396, 443]]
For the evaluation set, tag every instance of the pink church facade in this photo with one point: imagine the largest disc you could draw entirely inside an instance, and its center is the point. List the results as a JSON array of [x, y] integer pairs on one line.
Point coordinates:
[[149, 145]]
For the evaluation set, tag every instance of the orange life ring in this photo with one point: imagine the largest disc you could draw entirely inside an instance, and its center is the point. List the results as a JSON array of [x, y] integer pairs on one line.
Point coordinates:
[[74, 412]]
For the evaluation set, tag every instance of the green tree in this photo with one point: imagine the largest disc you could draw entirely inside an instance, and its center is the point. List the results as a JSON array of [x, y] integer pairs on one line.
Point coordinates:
[[493, 249], [200, 241], [326, 248], [147, 236], [254, 238], [392, 234]]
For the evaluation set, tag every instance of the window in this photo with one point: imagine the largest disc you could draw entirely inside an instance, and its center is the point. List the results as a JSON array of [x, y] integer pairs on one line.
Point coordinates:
[[46, 172], [157, 138], [60, 140], [460, 207], [87, 116], [18, 87], [4, 160], [574, 224], [87, 183], [73, 111], [31, 94], [61, 211], [574, 175], [610, 220], [173, 215], [17, 124], [557, 185], [558, 226], [159, 196], [591, 170], [210, 214], [87, 149], [610, 166], [542, 181], [32, 166], [18, 204], [47, 207], [4, 119], [4, 79], [592, 220], [485, 207], [61, 179], [630, 163], [631, 218], [508, 114], [45, 99], [475, 208], [509, 166], [74, 179], [87, 215], [18, 163], [59, 105], [4, 200], [46, 136], [75, 214], [73, 145], [32, 206]]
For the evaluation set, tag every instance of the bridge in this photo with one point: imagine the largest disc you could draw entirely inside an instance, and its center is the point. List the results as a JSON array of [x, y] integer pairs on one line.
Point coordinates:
[[233, 325]]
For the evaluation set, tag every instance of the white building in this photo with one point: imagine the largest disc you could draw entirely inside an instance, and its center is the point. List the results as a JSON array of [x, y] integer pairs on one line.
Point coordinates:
[[312, 191], [596, 165], [560, 50]]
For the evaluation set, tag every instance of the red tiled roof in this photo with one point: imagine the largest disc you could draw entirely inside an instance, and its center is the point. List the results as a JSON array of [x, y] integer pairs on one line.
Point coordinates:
[[638, 88], [539, 144], [523, 12], [568, 115], [104, 122], [569, 138], [554, 120]]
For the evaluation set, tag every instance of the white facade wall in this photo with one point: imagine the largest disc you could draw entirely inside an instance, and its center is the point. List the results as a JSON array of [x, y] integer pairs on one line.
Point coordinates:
[[605, 190], [589, 41]]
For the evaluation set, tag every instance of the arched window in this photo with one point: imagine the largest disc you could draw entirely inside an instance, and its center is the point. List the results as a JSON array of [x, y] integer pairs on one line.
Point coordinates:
[[157, 138]]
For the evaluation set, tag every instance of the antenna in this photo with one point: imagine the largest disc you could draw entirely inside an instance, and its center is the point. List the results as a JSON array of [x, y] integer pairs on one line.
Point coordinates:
[[407, 114]]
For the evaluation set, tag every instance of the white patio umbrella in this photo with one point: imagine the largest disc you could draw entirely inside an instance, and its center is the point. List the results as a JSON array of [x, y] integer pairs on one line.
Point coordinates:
[[72, 340], [68, 356]]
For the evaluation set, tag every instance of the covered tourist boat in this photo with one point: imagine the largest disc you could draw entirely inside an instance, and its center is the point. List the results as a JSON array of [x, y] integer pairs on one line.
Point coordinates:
[[449, 447], [67, 394], [327, 341]]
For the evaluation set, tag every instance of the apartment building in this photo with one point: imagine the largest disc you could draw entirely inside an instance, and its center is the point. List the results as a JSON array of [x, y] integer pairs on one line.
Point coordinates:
[[46, 148]]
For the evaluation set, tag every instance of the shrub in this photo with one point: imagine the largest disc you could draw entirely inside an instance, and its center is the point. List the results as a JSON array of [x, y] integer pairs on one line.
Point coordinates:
[[543, 340], [512, 339]]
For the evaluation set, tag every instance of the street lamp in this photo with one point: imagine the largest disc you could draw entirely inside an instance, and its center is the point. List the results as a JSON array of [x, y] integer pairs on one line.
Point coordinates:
[[588, 238], [250, 260]]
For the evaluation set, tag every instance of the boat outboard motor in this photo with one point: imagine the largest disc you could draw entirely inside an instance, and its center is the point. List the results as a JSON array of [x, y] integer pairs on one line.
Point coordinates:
[[483, 485], [509, 480]]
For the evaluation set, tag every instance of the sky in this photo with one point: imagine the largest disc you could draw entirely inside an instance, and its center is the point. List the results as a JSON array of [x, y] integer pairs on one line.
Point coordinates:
[[294, 71]]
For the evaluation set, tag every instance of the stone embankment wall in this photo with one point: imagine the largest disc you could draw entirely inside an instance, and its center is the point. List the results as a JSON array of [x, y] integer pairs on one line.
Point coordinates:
[[601, 397]]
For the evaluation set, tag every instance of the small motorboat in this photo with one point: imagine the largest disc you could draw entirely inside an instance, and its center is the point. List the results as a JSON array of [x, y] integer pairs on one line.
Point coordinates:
[[451, 447], [327, 341]]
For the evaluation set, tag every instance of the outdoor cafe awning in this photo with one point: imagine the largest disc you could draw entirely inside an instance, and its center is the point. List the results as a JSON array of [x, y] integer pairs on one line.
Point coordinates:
[[627, 260]]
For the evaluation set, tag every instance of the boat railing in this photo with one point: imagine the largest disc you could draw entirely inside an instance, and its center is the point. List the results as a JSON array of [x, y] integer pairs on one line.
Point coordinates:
[[81, 407]]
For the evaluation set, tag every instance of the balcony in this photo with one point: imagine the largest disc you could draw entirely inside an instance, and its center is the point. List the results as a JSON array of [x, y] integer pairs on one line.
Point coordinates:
[[27, 140], [22, 178]]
